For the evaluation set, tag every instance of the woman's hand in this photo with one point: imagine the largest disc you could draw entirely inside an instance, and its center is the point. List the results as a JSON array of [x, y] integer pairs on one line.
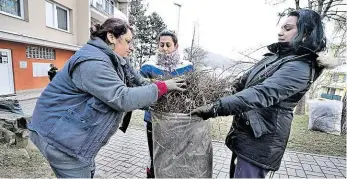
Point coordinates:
[[207, 111], [176, 84]]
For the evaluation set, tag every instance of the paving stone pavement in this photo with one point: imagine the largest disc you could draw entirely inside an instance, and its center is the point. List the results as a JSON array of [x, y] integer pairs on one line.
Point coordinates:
[[126, 156]]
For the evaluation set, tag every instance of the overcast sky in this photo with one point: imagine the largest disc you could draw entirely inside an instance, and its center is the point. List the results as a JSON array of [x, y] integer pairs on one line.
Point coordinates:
[[225, 26]]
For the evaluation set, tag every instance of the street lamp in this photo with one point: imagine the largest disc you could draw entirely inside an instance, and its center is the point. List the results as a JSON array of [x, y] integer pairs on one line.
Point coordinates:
[[179, 13]]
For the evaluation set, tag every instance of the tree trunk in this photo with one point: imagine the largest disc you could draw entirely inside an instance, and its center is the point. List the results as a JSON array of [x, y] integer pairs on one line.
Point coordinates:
[[300, 108], [344, 111]]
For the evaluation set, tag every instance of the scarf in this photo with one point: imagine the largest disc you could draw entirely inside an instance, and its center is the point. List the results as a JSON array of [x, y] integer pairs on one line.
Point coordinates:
[[168, 61]]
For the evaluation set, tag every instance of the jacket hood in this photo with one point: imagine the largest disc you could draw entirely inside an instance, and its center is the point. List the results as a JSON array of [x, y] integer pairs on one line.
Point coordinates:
[[324, 60], [97, 42]]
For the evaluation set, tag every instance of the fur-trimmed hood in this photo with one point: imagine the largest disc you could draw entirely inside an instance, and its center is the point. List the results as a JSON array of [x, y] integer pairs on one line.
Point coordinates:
[[324, 60], [327, 60]]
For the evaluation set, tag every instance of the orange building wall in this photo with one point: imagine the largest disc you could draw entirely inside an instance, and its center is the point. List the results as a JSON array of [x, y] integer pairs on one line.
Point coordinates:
[[23, 77]]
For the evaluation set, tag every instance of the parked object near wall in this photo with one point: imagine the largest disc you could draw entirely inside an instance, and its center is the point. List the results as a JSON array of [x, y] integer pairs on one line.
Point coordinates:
[[13, 124], [325, 116]]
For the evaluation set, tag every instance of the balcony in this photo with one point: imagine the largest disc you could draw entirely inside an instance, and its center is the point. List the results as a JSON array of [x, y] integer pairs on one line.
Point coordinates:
[[331, 96], [106, 7]]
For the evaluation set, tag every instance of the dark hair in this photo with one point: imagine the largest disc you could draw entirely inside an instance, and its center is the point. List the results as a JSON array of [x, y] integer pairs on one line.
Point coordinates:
[[310, 30], [115, 26], [170, 33]]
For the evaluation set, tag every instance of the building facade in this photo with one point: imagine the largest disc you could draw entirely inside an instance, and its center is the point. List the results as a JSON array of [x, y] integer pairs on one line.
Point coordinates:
[[37, 33], [335, 86]]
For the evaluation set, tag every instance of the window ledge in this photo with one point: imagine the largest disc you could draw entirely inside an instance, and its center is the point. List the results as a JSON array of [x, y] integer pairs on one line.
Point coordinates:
[[13, 16], [68, 32]]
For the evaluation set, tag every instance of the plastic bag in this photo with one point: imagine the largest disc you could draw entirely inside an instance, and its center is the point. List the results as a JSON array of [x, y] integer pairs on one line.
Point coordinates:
[[10, 106], [182, 146], [325, 116]]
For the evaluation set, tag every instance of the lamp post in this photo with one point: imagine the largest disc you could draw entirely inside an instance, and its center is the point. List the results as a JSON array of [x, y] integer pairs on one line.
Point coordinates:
[[179, 13]]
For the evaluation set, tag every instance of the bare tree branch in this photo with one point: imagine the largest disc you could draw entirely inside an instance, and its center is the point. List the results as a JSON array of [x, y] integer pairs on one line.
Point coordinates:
[[247, 56], [320, 6], [275, 3], [327, 9], [309, 2], [315, 5], [297, 4]]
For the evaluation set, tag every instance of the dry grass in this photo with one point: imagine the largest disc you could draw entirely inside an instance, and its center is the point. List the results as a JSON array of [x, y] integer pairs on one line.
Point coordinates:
[[303, 140], [23, 163]]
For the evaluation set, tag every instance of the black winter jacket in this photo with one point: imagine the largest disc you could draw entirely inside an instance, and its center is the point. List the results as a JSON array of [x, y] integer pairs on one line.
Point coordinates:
[[264, 101]]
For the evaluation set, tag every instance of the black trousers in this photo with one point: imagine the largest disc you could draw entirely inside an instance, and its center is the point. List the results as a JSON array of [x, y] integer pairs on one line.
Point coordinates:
[[150, 169], [244, 169]]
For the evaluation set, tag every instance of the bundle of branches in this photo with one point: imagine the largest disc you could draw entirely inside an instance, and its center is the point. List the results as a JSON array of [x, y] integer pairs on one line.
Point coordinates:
[[202, 88]]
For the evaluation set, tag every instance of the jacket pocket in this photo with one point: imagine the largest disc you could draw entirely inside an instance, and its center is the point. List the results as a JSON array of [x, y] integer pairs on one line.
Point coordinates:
[[77, 127], [263, 121], [97, 109], [71, 131]]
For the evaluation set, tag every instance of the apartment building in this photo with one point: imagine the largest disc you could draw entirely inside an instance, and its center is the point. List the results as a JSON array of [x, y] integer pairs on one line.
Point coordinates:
[[336, 86], [37, 33]]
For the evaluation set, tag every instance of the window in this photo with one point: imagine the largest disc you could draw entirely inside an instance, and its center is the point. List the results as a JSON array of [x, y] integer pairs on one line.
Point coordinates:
[[57, 16], [40, 53], [12, 7], [106, 6], [331, 91], [344, 78], [335, 77]]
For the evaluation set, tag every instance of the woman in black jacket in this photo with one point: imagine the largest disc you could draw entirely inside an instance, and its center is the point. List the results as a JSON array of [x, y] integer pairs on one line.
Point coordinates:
[[266, 95]]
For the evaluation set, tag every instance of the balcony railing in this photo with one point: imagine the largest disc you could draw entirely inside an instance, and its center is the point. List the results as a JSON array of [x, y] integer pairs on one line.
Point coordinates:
[[331, 96], [105, 6]]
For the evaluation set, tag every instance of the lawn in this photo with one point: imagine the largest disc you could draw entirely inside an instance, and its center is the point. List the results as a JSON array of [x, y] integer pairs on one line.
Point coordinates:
[[23, 163], [303, 140]]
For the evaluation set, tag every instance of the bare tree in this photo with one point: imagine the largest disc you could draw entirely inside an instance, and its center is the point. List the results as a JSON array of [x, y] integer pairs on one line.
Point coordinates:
[[327, 9], [195, 53], [344, 111]]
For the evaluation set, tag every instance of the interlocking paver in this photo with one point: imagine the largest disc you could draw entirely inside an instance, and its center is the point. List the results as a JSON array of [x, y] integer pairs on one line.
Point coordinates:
[[225, 169], [309, 162], [284, 176], [317, 174], [316, 168], [292, 163], [291, 172], [321, 163], [300, 173], [282, 172], [307, 167], [294, 166], [223, 175]]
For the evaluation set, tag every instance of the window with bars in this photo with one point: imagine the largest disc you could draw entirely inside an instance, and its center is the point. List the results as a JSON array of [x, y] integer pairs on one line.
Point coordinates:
[[40, 53], [12, 7]]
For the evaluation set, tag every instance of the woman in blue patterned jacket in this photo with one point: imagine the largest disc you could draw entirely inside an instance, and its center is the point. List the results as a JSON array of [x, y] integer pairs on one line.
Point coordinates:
[[168, 62]]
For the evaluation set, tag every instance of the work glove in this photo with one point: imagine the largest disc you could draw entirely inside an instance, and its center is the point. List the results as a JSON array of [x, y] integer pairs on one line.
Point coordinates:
[[175, 84], [207, 111]]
